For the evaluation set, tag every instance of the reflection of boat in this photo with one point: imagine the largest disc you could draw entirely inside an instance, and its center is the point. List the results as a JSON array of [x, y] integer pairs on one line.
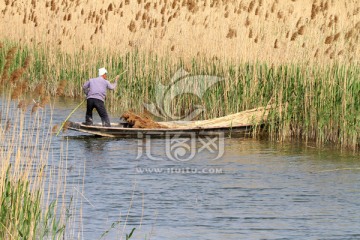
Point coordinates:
[[238, 124]]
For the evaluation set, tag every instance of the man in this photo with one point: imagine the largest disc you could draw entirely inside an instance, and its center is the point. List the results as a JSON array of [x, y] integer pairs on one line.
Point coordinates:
[[95, 90]]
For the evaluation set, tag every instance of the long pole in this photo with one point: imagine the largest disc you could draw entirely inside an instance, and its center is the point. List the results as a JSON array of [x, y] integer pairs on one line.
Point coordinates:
[[63, 123]]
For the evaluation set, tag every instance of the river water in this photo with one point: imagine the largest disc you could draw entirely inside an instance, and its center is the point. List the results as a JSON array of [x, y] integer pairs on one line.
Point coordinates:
[[255, 190]]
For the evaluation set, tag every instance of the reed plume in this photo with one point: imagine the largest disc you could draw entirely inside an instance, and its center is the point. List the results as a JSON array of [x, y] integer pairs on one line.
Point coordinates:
[[35, 107], [7, 125], [55, 128], [23, 104], [39, 89], [61, 88], [8, 60], [44, 101], [16, 74], [232, 33]]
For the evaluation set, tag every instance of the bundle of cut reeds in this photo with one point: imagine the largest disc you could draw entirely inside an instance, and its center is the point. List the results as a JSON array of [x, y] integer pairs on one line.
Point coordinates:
[[245, 118]]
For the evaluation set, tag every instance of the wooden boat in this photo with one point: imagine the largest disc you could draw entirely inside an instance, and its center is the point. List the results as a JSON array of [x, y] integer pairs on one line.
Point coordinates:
[[235, 125], [117, 130]]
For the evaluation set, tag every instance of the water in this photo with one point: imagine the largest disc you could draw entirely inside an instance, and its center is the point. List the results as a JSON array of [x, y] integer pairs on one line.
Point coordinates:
[[266, 191], [256, 190]]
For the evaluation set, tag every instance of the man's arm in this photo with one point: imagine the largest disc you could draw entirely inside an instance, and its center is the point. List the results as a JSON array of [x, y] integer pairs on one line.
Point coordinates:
[[86, 87], [112, 86]]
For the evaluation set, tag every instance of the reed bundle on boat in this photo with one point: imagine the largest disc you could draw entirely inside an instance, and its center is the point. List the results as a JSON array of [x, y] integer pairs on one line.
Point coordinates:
[[245, 118]]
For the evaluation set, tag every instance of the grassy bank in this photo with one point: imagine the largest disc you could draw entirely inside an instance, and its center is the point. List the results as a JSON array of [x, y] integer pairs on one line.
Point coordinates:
[[313, 102]]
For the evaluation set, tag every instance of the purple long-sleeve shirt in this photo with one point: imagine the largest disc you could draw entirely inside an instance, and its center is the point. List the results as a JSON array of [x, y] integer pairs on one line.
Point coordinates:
[[96, 88]]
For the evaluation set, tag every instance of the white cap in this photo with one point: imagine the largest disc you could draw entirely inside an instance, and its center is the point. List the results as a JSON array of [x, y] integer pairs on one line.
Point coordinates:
[[102, 71]]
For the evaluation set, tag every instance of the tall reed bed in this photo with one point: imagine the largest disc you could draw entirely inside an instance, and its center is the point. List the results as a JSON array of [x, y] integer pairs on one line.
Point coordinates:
[[32, 188], [265, 30], [312, 102]]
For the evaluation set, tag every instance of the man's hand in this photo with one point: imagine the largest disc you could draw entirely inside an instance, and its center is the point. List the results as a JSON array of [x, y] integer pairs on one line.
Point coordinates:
[[117, 78]]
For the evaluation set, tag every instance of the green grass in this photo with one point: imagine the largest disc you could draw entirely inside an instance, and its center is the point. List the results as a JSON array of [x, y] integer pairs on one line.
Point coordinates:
[[313, 102], [22, 215]]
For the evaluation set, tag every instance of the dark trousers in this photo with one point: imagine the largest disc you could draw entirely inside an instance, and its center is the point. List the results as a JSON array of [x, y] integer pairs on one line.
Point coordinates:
[[100, 108]]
